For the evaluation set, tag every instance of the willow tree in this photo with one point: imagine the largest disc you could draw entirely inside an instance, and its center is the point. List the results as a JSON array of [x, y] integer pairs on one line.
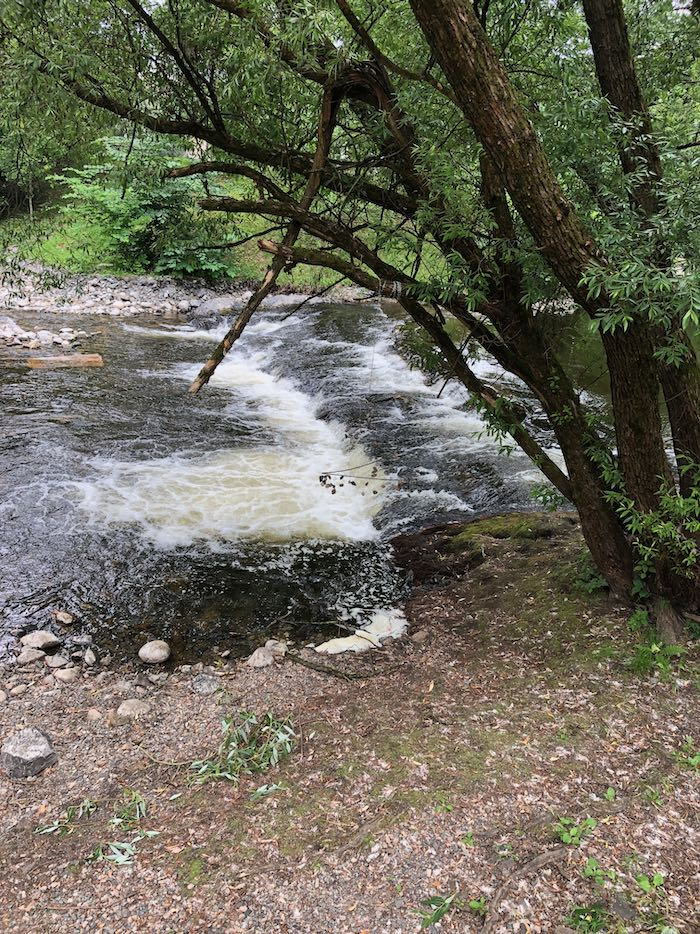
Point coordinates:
[[499, 162]]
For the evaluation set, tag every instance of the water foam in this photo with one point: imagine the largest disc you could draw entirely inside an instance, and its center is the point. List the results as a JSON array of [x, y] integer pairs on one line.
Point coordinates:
[[252, 491]]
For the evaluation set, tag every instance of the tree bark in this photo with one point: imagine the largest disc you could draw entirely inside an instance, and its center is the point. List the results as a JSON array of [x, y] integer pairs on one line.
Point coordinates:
[[490, 104], [619, 83]]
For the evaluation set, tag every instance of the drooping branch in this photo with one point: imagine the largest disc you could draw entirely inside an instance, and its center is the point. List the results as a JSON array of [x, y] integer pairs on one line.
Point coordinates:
[[365, 37], [332, 98], [495, 405]]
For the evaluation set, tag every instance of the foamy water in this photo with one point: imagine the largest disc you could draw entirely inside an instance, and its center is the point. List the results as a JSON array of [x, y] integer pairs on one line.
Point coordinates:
[[203, 516], [259, 491], [270, 490]]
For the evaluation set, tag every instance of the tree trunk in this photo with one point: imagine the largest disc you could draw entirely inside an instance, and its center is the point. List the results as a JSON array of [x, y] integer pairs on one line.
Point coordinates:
[[617, 77], [492, 108]]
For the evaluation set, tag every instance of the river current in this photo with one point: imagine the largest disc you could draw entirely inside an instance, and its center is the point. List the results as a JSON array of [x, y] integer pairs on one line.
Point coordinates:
[[149, 513]]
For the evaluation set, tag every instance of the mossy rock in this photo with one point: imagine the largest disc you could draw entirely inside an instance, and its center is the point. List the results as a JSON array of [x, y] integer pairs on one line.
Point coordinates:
[[505, 527]]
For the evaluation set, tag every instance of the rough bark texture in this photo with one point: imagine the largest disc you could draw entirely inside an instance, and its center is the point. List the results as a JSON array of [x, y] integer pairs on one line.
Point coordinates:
[[619, 83], [492, 108]]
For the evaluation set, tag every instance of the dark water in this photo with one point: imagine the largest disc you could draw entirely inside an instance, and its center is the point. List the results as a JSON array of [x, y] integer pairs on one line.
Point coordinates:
[[148, 512]]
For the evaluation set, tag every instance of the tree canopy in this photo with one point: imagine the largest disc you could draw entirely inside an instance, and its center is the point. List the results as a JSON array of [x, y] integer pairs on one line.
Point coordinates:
[[501, 162]]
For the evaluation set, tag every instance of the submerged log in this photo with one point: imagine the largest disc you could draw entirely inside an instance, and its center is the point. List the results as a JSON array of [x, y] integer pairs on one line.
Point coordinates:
[[75, 359]]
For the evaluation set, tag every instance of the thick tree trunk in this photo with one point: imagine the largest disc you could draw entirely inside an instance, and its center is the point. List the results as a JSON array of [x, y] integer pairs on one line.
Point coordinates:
[[492, 108], [619, 83]]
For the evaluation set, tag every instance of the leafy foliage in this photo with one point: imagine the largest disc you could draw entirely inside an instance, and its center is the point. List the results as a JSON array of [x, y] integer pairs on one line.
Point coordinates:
[[573, 832], [249, 747], [436, 907], [134, 220]]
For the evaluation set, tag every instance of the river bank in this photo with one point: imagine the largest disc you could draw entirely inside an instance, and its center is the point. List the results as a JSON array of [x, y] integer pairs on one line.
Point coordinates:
[[443, 768], [31, 286]]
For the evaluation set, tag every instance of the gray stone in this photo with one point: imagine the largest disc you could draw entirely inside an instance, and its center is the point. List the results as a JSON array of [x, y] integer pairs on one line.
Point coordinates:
[[420, 636], [155, 652], [56, 661], [93, 715], [205, 684], [63, 618], [622, 908], [27, 656], [261, 658], [40, 639], [277, 648], [133, 709], [27, 753], [3, 697], [90, 657], [18, 690], [66, 675]]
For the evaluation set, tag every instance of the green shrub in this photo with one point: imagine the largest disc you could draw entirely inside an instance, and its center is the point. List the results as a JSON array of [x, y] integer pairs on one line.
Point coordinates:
[[136, 220]]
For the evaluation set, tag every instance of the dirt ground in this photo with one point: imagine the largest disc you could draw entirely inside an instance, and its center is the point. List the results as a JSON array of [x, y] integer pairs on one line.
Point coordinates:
[[440, 773]]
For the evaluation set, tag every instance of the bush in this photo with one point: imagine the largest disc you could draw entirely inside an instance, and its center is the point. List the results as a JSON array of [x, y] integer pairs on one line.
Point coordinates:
[[136, 220]]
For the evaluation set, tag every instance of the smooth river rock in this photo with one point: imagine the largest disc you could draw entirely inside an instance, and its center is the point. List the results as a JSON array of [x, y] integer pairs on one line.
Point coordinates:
[[66, 675], [155, 652], [27, 753], [40, 639], [205, 684]]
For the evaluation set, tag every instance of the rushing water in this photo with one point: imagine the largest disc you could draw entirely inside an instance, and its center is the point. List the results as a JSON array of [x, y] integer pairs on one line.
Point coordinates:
[[148, 512]]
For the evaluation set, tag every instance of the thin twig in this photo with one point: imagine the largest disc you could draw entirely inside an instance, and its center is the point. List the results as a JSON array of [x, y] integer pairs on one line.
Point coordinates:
[[338, 672], [551, 856]]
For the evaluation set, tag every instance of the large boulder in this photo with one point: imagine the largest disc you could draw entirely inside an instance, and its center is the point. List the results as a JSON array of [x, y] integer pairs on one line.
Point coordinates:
[[27, 753], [9, 329]]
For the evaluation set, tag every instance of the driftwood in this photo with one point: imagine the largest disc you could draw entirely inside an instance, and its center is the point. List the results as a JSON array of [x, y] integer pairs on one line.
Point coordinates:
[[75, 359]]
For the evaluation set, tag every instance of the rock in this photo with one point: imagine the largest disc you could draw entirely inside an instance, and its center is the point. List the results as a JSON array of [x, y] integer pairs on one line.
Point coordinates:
[[90, 657], [93, 715], [278, 649], [27, 656], [75, 359], [420, 636], [155, 652], [18, 690], [56, 661], [27, 753], [66, 675], [205, 684], [40, 639], [9, 329], [133, 709], [261, 658], [622, 908], [63, 618], [3, 697]]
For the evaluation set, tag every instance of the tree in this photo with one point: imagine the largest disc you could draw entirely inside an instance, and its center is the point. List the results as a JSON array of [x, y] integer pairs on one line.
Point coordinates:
[[491, 161]]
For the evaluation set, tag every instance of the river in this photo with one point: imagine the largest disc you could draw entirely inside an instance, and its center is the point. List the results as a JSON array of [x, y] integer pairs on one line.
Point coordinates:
[[149, 513]]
